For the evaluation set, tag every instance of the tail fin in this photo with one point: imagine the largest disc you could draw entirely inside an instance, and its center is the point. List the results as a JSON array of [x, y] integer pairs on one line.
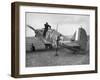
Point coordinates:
[[73, 37], [82, 38]]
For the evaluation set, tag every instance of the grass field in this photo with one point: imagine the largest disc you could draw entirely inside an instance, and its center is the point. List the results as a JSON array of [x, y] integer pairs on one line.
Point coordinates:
[[48, 58], [45, 57]]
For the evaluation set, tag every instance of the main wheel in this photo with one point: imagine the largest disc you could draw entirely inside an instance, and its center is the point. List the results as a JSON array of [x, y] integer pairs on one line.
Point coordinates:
[[33, 47]]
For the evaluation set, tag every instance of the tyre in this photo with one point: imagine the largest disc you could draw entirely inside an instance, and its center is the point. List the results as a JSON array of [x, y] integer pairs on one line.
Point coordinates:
[[33, 47]]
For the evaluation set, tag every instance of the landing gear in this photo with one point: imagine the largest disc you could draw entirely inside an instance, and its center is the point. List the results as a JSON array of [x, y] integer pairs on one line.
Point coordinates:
[[33, 47]]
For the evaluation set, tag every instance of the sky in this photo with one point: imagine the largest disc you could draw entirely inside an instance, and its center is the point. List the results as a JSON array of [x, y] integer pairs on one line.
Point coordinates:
[[67, 23]]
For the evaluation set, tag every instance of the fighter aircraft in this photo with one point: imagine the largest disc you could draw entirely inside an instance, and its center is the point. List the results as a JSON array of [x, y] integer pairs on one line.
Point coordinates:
[[76, 43]]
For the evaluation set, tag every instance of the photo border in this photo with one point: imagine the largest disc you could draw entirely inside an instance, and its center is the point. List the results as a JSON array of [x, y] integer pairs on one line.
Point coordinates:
[[15, 32]]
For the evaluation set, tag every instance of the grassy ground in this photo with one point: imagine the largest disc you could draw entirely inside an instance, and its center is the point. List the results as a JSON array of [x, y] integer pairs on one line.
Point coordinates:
[[48, 58]]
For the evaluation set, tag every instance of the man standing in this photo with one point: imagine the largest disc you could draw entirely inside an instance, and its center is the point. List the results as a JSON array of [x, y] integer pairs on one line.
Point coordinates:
[[46, 28], [57, 44]]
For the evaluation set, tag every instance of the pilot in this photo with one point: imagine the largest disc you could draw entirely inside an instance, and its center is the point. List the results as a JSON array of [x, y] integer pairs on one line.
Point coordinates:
[[47, 26]]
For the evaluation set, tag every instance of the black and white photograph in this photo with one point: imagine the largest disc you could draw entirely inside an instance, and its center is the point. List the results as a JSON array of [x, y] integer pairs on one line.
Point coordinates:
[[57, 39], [51, 39]]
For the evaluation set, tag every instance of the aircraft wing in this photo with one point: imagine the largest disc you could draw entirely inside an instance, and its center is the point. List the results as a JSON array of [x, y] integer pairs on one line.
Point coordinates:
[[72, 45]]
